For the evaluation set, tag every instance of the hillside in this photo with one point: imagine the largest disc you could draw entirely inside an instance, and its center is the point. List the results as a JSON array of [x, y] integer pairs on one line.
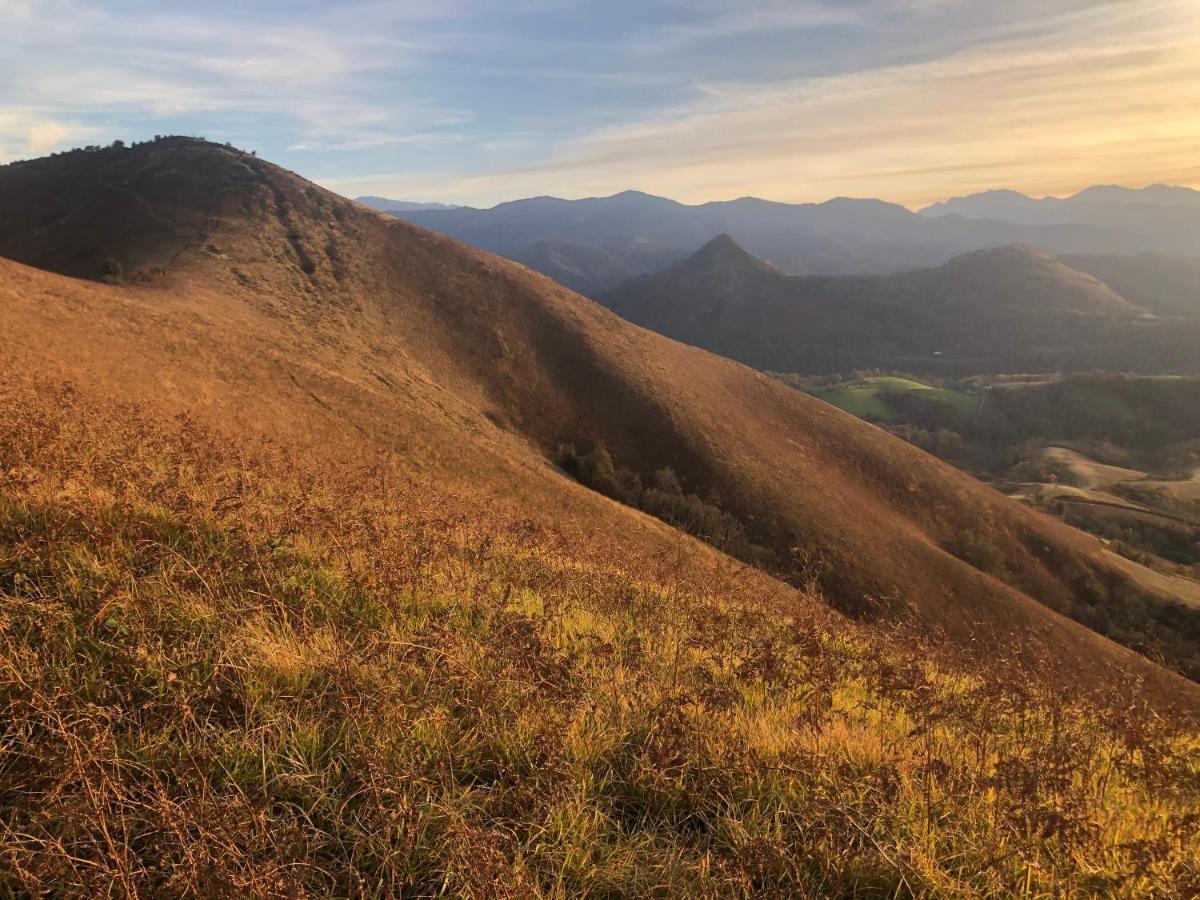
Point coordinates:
[[303, 459], [1006, 309], [231, 669], [1117, 456], [1166, 285]]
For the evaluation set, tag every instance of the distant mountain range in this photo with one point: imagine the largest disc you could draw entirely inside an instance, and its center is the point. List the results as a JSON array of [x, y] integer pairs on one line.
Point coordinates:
[[383, 204], [593, 245], [1088, 205], [1008, 309]]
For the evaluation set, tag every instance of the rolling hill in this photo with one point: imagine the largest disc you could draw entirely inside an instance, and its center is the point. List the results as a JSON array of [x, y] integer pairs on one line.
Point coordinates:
[[296, 593], [1009, 309]]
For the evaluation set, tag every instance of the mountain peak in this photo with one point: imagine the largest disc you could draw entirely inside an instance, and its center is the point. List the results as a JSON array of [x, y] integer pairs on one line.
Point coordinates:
[[726, 253], [722, 243]]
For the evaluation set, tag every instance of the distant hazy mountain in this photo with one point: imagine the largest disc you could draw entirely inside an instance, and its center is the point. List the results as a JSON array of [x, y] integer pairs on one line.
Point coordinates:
[[1006, 309], [586, 270], [383, 204], [842, 236], [1013, 206], [1159, 218]]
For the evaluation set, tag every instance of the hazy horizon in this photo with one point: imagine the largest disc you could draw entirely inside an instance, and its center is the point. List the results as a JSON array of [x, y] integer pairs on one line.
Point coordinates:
[[476, 102], [915, 207]]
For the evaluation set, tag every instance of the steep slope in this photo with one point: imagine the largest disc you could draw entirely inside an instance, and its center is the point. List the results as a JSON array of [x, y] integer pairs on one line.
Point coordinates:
[[1166, 285], [727, 300], [235, 670], [1007, 309], [287, 312]]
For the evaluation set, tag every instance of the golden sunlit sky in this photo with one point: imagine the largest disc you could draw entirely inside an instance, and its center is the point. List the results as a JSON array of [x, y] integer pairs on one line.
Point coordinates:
[[467, 101]]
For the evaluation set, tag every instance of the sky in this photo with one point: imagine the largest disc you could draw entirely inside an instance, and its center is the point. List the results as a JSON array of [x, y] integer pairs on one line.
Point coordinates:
[[481, 101]]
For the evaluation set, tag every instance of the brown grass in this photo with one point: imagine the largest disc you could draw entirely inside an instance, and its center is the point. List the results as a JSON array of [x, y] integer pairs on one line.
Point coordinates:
[[240, 671]]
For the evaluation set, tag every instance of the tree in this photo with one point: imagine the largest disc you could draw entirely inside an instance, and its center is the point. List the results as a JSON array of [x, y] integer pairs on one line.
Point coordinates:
[[667, 481], [597, 471]]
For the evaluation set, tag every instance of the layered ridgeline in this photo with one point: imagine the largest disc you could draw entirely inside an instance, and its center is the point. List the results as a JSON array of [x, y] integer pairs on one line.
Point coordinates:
[[640, 232], [1164, 218], [1009, 309], [298, 597]]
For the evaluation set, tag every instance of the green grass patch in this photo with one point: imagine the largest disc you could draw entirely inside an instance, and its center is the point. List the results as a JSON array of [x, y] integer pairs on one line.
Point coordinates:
[[867, 397]]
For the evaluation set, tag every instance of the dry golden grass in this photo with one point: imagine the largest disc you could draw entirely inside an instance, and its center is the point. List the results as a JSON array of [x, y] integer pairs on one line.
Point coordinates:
[[237, 671]]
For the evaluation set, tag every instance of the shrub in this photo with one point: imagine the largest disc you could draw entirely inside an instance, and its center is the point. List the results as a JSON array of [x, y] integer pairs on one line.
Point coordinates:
[[113, 271], [977, 550]]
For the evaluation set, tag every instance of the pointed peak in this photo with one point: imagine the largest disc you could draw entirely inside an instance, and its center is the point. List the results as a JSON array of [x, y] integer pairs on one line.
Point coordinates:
[[723, 242], [724, 252]]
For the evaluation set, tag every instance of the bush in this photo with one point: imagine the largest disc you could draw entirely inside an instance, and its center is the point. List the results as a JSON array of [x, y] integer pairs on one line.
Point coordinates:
[[976, 550], [113, 271]]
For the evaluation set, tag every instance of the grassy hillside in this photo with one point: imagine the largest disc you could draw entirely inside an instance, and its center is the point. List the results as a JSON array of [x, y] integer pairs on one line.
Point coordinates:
[[288, 312], [234, 670]]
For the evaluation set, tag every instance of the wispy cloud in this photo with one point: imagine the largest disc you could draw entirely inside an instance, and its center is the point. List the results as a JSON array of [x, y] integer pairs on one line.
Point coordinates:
[[87, 60], [482, 100], [27, 132], [745, 19], [1107, 94]]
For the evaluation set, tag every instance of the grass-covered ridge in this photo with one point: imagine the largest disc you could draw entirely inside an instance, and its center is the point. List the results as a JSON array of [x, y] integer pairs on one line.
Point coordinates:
[[227, 672]]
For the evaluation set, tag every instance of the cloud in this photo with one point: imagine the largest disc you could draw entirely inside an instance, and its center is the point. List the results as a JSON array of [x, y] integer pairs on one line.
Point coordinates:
[[27, 132], [483, 100], [1109, 93], [15, 10], [743, 20], [45, 135], [310, 74]]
